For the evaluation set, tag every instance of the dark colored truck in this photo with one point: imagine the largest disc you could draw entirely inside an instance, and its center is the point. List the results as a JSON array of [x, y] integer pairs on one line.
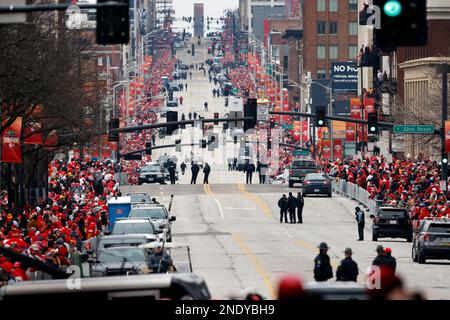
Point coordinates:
[[299, 169]]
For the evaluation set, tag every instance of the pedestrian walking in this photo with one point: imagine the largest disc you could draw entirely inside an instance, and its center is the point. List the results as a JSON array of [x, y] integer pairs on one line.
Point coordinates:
[[348, 269], [206, 172], [181, 100], [183, 117], [195, 170], [210, 78], [186, 85], [359, 215], [183, 168], [292, 204], [195, 115], [180, 86], [264, 170], [300, 205], [258, 169], [153, 138], [234, 163], [283, 205], [204, 72], [206, 106], [190, 75], [214, 92], [249, 169], [190, 115], [230, 164], [322, 266]]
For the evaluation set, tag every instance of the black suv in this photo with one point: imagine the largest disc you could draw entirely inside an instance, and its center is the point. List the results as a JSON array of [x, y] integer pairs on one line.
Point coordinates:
[[431, 240], [391, 223]]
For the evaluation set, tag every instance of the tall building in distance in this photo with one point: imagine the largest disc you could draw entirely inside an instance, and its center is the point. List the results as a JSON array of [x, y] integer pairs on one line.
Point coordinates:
[[199, 20]]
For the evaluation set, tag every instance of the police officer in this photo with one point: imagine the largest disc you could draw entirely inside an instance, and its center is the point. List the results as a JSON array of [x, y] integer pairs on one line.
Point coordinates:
[[380, 259], [171, 169], [249, 169], [159, 261], [348, 269], [292, 204], [359, 215], [300, 205], [322, 266], [206, 171], [283, 205], [183, 167], [195, 170]]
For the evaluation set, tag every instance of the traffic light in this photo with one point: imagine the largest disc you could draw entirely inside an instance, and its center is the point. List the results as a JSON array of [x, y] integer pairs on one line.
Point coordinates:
[[216, 116], [203, 143], [445, 159], [321, 116], [402, 23], [272, 123], [172, 116], [148, 150], [250, 110], [113, 24], [113, 136], [178, 145], [372, 120]]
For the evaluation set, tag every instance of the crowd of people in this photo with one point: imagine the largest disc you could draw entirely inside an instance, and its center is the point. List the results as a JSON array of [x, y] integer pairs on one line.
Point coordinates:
[[52, 232], [411, 184]]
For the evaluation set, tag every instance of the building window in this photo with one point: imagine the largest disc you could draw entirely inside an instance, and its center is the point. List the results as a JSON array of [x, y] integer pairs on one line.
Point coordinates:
[[334, 52], [321, 74], [353, 28], [352, 52], [321, 52], [321, 26], [352, 5], [321, 6], [333, 27], [333, 5]]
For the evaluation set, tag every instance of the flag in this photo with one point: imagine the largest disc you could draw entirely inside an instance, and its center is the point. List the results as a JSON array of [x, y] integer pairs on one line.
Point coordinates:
[[11, 146], [32, 133]]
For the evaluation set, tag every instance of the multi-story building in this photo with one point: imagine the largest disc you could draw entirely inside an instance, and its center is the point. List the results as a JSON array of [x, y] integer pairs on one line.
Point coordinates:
[[293, 8], [330, 34], [253, 12], [199, 20]]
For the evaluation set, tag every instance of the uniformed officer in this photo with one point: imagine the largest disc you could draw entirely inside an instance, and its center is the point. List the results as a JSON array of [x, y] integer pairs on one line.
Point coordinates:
[[292, 204], [322, 266], [283, 204], [359, 215], [300, 205], [348, 269], [172, 169]]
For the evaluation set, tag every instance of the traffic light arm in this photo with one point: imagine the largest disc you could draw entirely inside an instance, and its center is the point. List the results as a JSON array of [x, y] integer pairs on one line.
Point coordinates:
[[338, 118], [175, 123], [59, 7], [162, 147]]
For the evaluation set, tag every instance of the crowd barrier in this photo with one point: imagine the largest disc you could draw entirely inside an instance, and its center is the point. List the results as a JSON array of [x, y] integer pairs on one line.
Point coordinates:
[[356, 193]]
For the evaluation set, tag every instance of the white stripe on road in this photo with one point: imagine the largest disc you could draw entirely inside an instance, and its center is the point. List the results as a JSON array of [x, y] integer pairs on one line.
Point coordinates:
[[231, 208], [289, 235], [220, 208]]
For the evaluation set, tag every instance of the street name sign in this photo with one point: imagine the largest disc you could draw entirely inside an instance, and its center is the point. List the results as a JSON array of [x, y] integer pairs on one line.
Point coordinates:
[[414, 129]]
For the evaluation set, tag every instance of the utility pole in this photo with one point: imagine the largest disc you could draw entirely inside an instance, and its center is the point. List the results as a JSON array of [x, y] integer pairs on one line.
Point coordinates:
[[444, 69], [330, 112]]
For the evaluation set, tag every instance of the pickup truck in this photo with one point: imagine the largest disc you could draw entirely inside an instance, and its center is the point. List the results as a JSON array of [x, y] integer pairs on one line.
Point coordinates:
[[299, 169]]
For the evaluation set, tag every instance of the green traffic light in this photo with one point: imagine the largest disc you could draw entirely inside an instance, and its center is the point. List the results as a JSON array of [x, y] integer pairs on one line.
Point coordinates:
[[392, 8], [320, 122], [445, 160]]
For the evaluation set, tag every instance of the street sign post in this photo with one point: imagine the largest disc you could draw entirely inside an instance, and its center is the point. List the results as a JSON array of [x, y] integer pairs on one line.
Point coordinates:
[[301, 153], [263, 112], [414, 129]]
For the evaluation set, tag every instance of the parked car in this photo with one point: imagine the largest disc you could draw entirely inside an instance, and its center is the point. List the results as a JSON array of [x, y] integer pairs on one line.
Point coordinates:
[[299, 169], [431, 240], [157, 214], [151, 174], [119, 261], [137, 227], [316, 183], [391, 222], [172, 103], [139, 197], [97, 244]]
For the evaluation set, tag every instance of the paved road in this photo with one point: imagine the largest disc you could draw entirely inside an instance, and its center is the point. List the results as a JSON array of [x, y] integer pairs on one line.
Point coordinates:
[[234, 232], [237, 241]]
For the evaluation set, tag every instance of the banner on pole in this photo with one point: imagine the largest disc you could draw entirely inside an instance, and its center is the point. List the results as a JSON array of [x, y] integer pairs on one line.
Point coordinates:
[[11, 147]]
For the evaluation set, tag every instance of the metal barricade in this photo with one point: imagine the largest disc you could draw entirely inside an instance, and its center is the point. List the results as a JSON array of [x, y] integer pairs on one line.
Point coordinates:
[[356, 193]]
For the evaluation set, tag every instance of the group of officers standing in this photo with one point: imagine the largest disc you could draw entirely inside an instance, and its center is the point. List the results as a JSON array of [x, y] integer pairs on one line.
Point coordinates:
[[292, 205]]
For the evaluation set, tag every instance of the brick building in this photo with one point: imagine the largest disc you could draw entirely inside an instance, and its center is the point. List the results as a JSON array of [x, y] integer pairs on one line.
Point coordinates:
[[330, 34]]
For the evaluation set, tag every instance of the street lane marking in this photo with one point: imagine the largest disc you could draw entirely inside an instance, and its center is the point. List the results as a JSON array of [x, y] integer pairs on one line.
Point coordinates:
[[256, 263], [231, 208], [289, 235], [207, 189], [255, 199], [220, 208]]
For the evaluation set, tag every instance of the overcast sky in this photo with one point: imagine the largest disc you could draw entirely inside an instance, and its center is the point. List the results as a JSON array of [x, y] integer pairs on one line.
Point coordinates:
[[213, 8]]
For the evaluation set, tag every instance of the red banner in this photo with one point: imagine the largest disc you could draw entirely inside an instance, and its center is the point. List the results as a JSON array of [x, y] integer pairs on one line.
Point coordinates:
[[11, 148], [355, 113], [350, 132], [305, 131], [447, 136], [52, 140], [338, 149], [32, 133], [369, 105], [326, 149]]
